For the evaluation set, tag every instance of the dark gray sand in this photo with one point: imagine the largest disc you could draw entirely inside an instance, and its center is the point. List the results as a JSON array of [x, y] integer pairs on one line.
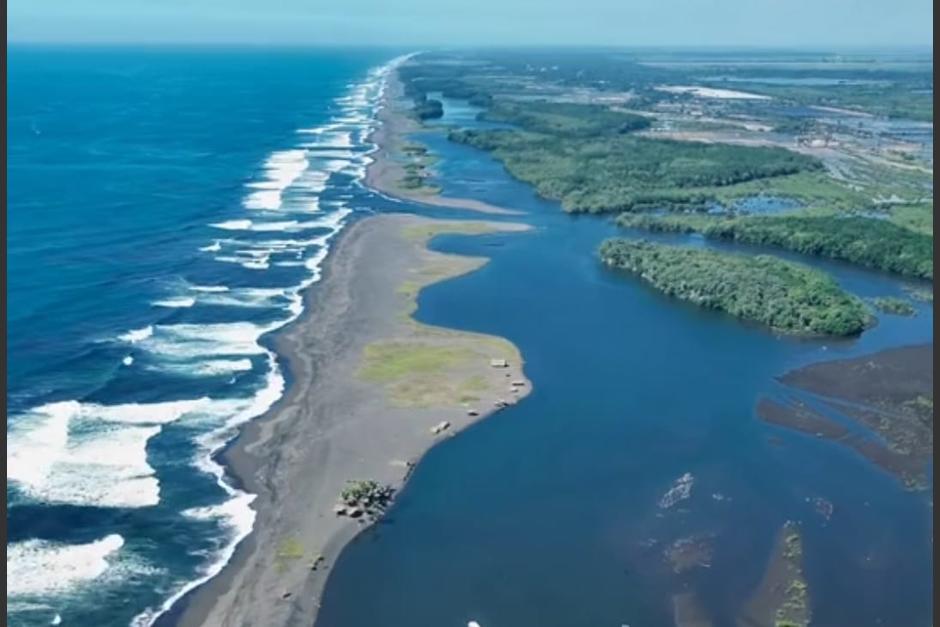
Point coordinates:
[[369, 385]]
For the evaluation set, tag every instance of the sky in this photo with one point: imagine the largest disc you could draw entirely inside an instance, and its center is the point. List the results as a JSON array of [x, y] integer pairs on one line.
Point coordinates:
[[759, 23]]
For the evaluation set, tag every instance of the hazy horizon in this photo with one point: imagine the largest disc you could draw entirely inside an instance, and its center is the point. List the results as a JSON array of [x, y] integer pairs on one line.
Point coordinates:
[[726, 24]]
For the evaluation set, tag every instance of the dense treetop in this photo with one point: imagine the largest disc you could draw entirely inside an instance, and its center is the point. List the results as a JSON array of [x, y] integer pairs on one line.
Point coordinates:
[[781, 294]]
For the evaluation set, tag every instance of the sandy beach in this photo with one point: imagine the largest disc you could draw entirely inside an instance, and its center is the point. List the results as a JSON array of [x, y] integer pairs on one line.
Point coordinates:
[[368, 386], [370, 392]]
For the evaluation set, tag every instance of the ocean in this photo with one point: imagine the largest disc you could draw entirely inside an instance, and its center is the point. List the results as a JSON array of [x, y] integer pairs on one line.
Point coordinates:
[[166, 208]]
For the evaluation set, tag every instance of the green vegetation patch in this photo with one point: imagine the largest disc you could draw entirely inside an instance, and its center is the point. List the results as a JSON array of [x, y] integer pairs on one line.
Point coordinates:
[[424, 374], [781, 294], [291, 548], [617, 172], [921, 295], [870, 242], [288, 550], [565, 118], [388, 361], [450, 79], [469, 389], [892, 305], [881, 98], [794, 606], [417, 161], [916, 216]]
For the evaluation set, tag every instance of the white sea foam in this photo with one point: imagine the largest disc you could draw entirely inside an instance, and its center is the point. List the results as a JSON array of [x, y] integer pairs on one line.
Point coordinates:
[[246, 297], [213, 247], [207, 368], [233, 225], [280, 170], [236, 511], [209, 288], [276, 225], [187, 341], [334, 138], [89, 454], [246, 262], [257, 264], [137, 335], [175, 302], [40, 567]]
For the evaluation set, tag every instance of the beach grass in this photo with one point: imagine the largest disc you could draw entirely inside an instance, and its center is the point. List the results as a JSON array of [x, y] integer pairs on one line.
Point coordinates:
[[288, 550], [472, 386], [391, 361], [422, 374]]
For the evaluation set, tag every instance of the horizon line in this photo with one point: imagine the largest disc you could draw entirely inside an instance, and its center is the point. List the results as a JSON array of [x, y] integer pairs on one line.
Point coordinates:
[[827, 48]]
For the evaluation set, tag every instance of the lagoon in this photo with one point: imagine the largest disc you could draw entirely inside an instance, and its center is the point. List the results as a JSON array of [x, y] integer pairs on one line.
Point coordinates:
[[550, 512]]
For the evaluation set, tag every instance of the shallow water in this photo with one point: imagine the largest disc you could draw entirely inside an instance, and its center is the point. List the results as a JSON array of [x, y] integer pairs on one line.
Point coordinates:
[[549, 512]]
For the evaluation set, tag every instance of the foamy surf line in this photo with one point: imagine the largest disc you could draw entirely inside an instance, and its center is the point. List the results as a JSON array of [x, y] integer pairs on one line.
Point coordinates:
[[236, 511], [61, 445]]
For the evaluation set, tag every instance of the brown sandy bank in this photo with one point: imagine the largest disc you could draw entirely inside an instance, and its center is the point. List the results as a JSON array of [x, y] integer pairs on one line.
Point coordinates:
[[368, 385]]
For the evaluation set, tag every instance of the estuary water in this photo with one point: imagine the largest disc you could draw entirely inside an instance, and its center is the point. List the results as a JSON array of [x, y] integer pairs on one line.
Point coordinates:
[[554, 512]]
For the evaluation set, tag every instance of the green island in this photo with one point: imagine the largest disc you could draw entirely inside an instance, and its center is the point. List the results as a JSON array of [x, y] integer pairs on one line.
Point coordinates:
[[780, 294], [869, 242]]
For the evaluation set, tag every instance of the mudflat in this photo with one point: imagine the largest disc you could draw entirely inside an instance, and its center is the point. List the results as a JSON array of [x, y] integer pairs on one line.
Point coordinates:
[[889, 393]]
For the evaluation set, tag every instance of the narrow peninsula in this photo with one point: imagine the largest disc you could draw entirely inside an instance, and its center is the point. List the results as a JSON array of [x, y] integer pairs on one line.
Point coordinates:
[[372, 390]]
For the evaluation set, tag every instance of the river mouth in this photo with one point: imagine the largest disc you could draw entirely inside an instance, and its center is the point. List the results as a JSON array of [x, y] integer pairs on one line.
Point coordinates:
[[554, 512]]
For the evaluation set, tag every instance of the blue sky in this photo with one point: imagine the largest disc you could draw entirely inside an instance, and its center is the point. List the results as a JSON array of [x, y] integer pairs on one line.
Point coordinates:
[[767, 23]]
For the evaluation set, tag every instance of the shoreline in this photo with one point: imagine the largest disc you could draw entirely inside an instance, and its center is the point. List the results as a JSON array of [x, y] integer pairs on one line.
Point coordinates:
[[214, 601], [386, 170], [335, 427]]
